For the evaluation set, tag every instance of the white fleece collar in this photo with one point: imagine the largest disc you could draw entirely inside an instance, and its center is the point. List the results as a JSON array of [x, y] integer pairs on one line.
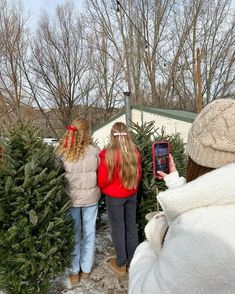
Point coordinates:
[[214, 188]]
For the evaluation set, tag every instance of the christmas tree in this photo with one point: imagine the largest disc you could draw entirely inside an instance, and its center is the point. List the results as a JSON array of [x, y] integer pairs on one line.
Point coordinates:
[[144, 136], [36, 232]]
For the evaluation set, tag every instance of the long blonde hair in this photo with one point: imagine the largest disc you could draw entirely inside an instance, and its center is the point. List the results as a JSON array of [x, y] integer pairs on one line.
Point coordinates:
[[75, 140], [122, 148]]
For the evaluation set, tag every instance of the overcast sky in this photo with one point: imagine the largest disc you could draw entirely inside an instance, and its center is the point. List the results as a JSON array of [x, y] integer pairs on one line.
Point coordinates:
[[34, 7]]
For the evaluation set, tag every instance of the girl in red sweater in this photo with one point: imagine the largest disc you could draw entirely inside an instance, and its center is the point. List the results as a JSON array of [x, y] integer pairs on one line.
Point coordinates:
[[119, 174]]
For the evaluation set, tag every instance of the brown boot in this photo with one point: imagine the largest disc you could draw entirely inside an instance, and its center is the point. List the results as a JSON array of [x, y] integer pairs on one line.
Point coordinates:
[[85, 276], [74, 280], [118, 270]]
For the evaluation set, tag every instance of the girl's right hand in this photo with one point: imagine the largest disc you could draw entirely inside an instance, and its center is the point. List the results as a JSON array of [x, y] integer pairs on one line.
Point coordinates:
[[172, 167]]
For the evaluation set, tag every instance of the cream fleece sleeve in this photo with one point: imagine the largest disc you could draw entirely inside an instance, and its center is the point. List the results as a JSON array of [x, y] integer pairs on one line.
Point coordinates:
[[155, 231], [173, 180], [143, 260]]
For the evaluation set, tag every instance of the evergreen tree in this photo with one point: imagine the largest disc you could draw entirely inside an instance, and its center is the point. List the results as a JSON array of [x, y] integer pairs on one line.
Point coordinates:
[[144, 136], [36, 234]]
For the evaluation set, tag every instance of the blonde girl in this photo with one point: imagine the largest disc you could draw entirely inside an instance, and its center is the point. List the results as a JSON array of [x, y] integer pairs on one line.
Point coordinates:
[[119, 174], [81, 159]]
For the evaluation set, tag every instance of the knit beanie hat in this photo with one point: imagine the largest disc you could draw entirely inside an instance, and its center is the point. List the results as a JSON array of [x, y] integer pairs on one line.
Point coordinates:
[[211, 138]]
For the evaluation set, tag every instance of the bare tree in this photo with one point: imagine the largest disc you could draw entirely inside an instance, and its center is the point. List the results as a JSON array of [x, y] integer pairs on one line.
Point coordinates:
[[125, 44], [107, 59], [209, 26], [12, 50], [60, 64], [107, 74], [170, 31], [156, 19], [148, 47]]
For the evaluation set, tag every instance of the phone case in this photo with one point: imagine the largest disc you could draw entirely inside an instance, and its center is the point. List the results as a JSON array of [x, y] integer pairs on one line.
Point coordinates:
[[154, 158]]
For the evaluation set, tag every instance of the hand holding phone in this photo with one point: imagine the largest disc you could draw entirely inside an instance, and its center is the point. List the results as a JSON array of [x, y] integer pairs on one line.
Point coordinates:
[[172, 168], [161, 162]]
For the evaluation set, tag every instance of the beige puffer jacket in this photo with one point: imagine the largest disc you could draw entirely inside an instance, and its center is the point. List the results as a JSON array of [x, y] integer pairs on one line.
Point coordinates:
[[82, 178]]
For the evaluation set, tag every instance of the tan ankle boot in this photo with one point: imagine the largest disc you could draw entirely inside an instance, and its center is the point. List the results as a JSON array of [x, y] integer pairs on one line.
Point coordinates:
[[74, 280], [118, 270], [85, 276]]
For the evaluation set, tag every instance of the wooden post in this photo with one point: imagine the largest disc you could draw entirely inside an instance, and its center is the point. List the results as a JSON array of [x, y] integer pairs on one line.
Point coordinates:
[[199, 82]]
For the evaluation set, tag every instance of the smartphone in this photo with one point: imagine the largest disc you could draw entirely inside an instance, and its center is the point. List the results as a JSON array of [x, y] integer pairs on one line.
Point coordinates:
[[160, 154]]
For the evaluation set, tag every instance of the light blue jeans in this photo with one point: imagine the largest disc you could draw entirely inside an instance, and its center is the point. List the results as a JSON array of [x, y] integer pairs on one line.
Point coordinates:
[[85, 227]]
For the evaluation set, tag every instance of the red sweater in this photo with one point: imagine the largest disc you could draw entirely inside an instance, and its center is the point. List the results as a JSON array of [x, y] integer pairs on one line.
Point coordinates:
[[114, 188]]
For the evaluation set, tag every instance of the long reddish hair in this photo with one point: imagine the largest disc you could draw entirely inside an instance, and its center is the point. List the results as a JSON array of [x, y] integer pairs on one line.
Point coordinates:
[[195, 170], [122, 146]]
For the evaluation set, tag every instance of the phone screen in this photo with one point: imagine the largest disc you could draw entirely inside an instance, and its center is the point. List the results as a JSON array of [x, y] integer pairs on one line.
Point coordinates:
[[161, 153]]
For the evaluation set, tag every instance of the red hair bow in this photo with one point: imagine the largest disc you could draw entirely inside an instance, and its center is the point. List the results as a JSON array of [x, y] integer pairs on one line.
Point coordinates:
[[70, 129]]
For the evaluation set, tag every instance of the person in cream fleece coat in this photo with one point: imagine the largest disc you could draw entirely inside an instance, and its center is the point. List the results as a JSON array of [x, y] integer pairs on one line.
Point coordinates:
[[190, 246]]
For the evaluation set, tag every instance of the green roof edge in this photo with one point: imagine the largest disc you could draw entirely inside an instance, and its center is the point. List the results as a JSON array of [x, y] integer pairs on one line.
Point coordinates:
[[171, 113], [183, 115]]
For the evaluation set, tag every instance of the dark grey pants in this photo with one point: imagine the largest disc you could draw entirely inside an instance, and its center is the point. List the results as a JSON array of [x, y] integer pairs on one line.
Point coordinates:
[[122, 218]]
